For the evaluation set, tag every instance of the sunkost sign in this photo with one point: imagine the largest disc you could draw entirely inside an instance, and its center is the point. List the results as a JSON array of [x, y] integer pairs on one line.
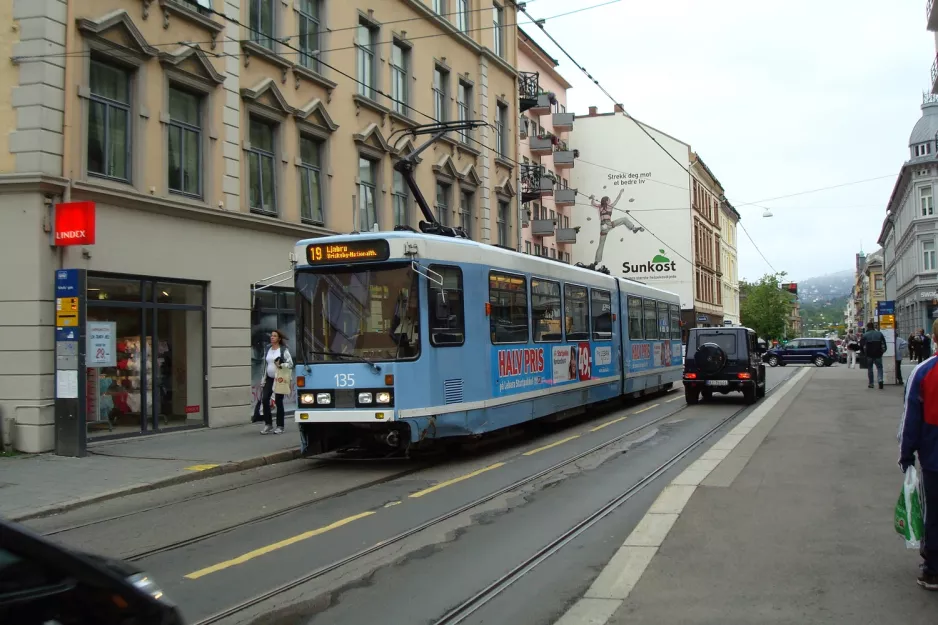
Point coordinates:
[[74, 224]]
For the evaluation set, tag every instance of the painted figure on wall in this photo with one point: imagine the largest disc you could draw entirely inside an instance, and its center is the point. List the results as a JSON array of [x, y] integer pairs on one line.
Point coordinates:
[[607, 224]]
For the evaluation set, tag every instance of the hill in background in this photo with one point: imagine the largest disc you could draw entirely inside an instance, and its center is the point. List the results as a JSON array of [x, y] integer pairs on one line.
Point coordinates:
[[823, 299]]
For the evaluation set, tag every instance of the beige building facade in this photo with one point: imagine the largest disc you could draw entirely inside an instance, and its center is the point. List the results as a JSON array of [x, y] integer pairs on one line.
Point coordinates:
[[729, 261], [211, 136], [707, 216]]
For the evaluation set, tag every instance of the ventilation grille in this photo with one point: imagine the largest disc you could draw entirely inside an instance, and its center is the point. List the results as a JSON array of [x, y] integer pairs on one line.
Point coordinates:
[[452, 391], [345, 399]]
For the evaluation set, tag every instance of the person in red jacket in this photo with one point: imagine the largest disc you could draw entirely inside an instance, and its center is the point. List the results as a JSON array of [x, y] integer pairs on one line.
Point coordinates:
[[918, 435]]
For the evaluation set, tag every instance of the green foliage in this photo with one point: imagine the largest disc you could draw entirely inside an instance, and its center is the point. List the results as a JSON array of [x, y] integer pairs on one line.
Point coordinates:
[[764, 307], [823, 314]]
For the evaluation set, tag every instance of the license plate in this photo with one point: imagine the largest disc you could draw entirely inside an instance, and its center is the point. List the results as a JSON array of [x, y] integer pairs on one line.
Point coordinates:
[[717, 383]]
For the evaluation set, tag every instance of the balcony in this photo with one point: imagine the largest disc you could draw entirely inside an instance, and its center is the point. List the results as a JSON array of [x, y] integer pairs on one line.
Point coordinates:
[[567, 235], [543, 103], [528, 88], [542, 145], [563, 122], [564, 197], [563, 159], [535, 183], [543, 227], [931, 15]]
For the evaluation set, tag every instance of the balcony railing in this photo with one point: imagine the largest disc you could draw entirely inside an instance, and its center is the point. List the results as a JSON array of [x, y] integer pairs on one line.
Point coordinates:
[[542, 145], [543, 103], [543, 227], [564, 197], [564, 159], [535, 183], [563, 122], [567, 235]]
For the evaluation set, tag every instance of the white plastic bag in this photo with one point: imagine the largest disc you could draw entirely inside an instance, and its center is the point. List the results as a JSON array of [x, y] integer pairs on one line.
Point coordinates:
[[909, 521]]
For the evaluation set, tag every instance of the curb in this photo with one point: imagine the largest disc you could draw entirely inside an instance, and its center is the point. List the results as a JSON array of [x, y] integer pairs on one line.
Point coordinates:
[[222, 469]]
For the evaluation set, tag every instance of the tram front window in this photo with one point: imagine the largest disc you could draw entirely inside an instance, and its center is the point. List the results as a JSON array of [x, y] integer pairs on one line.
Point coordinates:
[[365, 313]]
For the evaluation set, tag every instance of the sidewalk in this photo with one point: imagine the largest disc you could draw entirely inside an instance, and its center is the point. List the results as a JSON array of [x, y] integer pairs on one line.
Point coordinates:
[[794, 525], [42, 484]]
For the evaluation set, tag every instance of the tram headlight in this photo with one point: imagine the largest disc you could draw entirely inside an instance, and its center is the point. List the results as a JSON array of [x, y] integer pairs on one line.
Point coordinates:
[[365, 398], [383, 398], [307, 399], [323, 399]]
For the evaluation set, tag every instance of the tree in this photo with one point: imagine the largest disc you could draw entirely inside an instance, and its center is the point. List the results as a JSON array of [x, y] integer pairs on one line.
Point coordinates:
[[764, 306]]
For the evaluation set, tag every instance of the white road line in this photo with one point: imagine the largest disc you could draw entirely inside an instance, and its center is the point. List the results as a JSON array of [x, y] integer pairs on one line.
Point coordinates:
[[616, 581]]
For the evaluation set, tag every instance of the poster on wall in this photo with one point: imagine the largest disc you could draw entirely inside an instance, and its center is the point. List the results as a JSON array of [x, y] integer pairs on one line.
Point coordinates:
[[632, 222]]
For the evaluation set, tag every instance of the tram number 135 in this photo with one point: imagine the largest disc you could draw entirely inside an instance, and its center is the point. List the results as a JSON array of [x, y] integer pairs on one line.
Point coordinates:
[[343, 380]]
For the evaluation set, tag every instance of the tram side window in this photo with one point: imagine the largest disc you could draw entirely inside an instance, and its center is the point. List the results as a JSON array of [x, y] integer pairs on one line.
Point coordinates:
[[601, 317], [635, 319], [675, 323], [545, 311], [576, 312], [508, 296], [664, 321], [651, 321], [447, 314]]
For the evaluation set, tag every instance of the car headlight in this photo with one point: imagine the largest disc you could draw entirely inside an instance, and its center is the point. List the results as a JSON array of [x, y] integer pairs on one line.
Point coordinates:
[[323, 398], [383, 398], [364, 398], [145, 583], [307, 398]]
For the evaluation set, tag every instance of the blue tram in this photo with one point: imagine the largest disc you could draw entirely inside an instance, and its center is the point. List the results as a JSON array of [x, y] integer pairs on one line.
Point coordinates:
[[406, 338]]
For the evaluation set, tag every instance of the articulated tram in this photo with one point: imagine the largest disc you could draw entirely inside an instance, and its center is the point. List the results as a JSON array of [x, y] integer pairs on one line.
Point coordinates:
[[405, 338]]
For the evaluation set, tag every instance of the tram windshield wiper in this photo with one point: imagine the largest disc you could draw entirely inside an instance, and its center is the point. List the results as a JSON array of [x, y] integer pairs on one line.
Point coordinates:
[[353, 357]]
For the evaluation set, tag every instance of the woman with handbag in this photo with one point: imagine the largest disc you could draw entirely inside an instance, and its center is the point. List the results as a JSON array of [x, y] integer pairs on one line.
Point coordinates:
[[277, 379]]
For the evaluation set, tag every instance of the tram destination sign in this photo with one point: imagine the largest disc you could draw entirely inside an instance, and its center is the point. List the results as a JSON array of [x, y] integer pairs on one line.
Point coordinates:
[[366, 251]]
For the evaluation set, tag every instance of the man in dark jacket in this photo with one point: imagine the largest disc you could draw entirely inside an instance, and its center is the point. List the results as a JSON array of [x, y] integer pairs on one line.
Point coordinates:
[[918, 434], [873, 345]]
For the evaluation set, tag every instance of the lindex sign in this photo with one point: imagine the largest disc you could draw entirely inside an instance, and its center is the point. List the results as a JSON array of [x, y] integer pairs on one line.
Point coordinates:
[[74, 224]]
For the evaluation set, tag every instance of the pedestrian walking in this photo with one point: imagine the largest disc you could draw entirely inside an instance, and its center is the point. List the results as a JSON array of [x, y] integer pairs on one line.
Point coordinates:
[[279, 362], [873, 345], [901, 344], [918, 435], [852, 341]]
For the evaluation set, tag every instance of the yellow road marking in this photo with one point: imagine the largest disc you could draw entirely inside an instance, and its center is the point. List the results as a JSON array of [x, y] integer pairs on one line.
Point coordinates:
[[393, 503], [599, 427], [275, 546], [455, 480], [560, 442], [645, 409], [201, 467], [670, 400]]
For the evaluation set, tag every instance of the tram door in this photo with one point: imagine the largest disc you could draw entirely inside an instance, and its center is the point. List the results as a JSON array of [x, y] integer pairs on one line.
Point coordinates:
[[447, 334]]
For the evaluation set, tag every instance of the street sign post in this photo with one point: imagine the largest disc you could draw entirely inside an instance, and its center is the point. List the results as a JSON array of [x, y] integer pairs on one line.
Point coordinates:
[[70, 350]]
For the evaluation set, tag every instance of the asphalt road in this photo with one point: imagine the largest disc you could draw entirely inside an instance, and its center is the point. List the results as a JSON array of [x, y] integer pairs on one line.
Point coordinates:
[[218, 542]]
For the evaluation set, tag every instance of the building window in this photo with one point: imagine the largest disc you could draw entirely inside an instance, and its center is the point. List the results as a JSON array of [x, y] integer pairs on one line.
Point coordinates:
[[553, 253], [527, 247], [439, 6], [440, 80], [367, 210], [261, 166], [576, 312], [465, 211], [926, 201], [463, 100], [462, 15], [878, 283], [399, 195], [185, 143], [537, 249], [498, 31], [502, 222], [262, 22], [545, 311], [109, 122], [400, 62], [508, 296], [442, 203], [308, 18], [501, 130], [447, 316], [310, 170], [928, 256], [365, 51]]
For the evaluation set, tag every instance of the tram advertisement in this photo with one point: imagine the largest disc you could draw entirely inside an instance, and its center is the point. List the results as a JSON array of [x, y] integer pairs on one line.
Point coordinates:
[[652, 355], [523, 369]]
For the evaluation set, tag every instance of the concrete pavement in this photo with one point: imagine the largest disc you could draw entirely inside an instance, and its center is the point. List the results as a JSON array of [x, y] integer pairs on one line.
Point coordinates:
[[41, 484], [795, 525]]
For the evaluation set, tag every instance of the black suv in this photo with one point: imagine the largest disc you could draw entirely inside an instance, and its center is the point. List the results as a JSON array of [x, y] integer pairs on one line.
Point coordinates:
[[721, 360]]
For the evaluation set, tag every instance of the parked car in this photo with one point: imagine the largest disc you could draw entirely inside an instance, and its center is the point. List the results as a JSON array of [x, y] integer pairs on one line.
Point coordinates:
[[723, 360], [819, 352], [43, 582]]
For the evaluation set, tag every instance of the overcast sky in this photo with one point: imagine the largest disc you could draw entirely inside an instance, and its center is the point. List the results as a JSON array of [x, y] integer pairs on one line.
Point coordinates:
[[776, 97]]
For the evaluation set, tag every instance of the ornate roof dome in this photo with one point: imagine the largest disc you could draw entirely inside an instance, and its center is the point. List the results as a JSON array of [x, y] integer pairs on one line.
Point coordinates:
[[927, 126]]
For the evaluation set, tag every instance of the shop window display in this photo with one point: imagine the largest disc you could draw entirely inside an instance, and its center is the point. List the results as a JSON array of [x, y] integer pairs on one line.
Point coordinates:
[[273, 310]]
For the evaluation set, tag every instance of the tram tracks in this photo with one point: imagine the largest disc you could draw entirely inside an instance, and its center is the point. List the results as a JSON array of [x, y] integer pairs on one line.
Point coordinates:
[[359, 555], [493, 590]]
